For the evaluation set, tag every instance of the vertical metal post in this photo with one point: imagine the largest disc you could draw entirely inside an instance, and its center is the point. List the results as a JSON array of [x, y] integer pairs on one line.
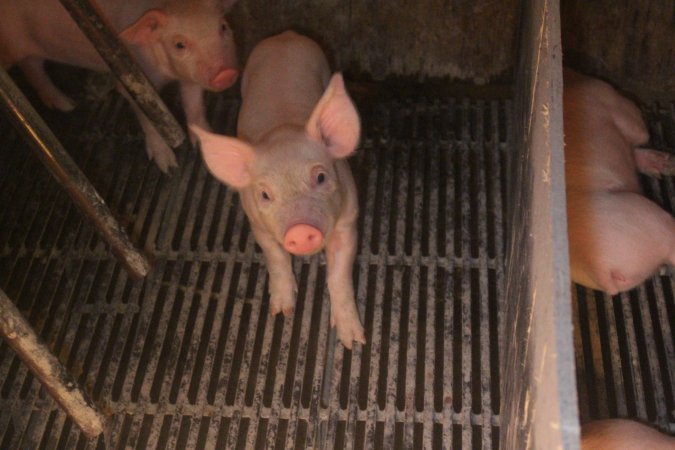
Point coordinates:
[[63, 168], [539, 400], [59, 382], [122, 65]]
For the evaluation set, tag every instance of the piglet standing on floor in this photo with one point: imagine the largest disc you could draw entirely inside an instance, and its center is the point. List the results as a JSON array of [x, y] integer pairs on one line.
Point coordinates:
[[184, 40], [617, 237], [296, 126]]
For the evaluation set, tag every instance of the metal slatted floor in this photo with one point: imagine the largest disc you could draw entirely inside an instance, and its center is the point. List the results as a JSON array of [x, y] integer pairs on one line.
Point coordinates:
[[625, 345], [190, 358]]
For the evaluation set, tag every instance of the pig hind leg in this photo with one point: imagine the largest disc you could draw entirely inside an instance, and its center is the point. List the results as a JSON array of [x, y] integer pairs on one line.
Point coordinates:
[[34, 69], [654, 163], [628, 120]]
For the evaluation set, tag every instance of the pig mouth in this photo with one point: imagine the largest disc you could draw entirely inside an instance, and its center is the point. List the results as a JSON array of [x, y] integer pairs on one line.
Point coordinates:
[[223, 79]]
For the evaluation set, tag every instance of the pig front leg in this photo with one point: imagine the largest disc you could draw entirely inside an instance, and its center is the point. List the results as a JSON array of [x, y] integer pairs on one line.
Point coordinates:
[[34, 69], [155, 146], [340, 254], [192, 99], [283, 287]]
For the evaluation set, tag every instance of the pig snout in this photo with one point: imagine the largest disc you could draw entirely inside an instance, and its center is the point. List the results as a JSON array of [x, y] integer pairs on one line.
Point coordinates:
[[223, 79], [303, 239]]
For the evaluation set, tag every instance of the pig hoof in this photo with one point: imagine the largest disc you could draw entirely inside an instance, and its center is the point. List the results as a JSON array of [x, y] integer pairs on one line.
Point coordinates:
[[62, 103], [282, 304], [282, 295], [162, 155], [349, 335], [349, 330], [165, 163], [288, 311], [284, 307]]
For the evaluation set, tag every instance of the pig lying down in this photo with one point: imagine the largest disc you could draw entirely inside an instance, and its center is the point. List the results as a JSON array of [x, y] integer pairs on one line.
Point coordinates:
[[621, 434], [617, 237], [296, 126], [186, 40]]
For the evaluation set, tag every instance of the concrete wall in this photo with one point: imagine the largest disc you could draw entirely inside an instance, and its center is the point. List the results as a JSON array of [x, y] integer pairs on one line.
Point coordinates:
[[469, 40], [629, 43]]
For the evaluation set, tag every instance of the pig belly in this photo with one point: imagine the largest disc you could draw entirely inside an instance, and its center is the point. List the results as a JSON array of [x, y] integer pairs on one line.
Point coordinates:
[[617, 239]]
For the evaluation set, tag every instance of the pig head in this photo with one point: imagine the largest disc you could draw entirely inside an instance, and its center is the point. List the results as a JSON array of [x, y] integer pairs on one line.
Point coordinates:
[[617, 236], [184, 40], [290, 170]]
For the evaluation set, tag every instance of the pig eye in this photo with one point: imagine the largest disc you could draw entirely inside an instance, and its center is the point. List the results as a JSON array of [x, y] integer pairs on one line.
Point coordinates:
[[320, 178], [265, 196], [180, 45], [223, 27]]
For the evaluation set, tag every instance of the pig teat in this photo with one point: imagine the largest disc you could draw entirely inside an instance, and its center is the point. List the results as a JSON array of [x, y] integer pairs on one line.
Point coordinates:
[[224, 79], [303, 239]]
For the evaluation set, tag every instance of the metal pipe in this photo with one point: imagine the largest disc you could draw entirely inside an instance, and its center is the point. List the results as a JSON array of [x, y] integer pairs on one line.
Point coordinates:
[[48, 369], [122, 65], [63, 168]]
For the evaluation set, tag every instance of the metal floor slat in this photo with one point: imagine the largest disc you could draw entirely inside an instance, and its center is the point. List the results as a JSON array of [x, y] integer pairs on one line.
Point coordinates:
[[189, 357]]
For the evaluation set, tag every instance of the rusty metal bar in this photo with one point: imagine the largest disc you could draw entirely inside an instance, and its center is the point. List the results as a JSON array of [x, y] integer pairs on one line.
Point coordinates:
[[63, 168], [48, 369], [122, 65]]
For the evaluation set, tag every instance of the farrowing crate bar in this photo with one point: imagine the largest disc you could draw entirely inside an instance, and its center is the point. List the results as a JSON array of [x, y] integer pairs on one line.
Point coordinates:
[[52, 154]]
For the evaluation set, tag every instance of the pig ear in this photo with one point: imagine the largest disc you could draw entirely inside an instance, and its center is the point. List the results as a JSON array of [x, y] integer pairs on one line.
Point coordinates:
[[227, 158], [335, 121], [145, 29]]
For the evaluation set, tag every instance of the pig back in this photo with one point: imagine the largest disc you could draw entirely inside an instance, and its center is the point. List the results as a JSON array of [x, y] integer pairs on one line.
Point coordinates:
[[602, 129], [284, 77]]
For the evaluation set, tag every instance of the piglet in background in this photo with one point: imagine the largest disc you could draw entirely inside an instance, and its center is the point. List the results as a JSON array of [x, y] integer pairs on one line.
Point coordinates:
[[617, 237], [621, 434], [185, 40], [296, 126]]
